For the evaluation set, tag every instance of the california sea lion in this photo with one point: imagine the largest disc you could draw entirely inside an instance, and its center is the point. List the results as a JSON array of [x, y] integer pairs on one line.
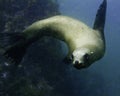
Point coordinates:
[[86, 45]]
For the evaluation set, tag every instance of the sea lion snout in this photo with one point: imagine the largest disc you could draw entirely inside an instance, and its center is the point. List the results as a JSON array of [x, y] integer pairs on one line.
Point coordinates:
[[76, 62], [78, 65]]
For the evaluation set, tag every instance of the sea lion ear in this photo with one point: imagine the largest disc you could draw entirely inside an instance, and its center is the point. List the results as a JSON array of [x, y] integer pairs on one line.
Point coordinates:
[[100, 18]]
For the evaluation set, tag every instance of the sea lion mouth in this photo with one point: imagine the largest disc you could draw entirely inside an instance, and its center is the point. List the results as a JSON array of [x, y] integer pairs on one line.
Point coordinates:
[[79, 65]]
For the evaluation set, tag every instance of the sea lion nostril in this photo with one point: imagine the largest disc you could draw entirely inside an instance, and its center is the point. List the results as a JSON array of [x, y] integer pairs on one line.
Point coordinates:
[[76, 62]]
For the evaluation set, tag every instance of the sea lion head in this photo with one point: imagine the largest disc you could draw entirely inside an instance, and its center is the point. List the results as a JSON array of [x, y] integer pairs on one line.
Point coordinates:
[[81, 58]]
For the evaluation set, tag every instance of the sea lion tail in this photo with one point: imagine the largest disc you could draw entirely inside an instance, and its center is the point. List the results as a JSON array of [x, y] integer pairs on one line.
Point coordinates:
[[13, 47]]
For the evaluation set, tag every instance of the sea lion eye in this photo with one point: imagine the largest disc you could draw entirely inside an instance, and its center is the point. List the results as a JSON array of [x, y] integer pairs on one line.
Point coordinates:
[[70, 59], [86, 57], [72, 56]]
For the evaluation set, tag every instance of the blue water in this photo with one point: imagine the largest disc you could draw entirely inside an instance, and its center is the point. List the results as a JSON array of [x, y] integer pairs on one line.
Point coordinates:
[[103, 77], [42, 66]]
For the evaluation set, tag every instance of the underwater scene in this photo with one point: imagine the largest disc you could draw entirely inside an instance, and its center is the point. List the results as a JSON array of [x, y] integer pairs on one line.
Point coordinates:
[[33, 62]]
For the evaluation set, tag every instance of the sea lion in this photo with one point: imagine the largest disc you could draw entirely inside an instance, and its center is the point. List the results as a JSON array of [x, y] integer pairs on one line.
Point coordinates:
[[86, 45]]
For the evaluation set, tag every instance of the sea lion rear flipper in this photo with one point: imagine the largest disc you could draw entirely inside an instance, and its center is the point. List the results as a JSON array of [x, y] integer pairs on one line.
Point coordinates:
[[100, 18], [13, 46]]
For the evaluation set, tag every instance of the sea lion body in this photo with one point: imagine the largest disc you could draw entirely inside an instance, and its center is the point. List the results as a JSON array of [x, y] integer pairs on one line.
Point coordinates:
[[86, 45], [75, 33]]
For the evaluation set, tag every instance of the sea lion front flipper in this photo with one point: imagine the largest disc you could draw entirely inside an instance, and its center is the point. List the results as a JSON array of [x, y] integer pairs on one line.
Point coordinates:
[[100, 18]]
